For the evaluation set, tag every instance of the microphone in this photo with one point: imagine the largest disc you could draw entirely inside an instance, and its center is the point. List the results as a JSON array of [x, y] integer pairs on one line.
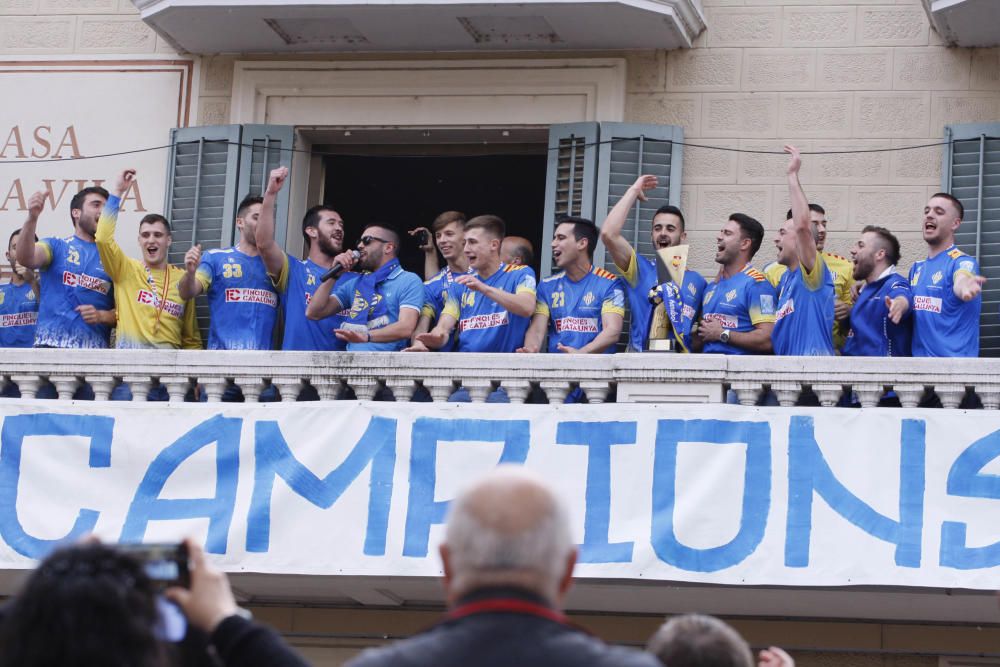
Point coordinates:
[[339, 268]]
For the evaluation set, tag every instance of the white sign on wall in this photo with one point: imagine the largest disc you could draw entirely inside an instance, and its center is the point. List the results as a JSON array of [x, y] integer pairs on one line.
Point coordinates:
[[773, 496], [55, 113]]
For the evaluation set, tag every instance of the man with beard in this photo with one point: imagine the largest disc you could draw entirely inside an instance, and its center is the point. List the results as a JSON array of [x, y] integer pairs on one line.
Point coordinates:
[[803, 323], [738, 308], [947, 287], [384, 302], [151, 313], [242, 301], [881, 324], [582, 306], [78, 308], [640, 273], [297, 280], [449, 235]]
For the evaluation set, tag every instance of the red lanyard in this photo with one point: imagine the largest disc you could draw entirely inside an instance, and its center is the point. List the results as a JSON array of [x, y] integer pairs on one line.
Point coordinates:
[[510, 605]]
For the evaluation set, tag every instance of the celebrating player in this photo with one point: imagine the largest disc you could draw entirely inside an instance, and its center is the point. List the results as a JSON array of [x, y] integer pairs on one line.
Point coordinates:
[[640, 272], [582, 306], [804, 319]]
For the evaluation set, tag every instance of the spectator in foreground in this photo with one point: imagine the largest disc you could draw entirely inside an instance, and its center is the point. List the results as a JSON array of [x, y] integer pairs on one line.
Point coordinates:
[[91, 604], [694, 640], [508, 563]]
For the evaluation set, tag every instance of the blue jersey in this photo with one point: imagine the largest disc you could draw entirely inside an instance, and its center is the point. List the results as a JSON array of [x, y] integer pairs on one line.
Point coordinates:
[[872, 333], [640, 277], [399, 291], [297, 283], [435, 296], [576, 309], [943, 324], [803, 322], [73, 276], [18, 315], [739, 303], [242, 301], [483, 324]]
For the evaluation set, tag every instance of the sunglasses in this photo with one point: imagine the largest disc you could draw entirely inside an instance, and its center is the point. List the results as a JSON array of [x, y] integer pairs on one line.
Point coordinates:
[[366, 240]]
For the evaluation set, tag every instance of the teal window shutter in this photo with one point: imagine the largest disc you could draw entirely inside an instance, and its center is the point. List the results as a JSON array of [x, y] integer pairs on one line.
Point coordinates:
[[266, 147], [628, 151], [570, 179], [971, 173]]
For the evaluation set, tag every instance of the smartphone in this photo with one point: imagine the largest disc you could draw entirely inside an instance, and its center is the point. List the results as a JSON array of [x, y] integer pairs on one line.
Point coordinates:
[[165, 564], [423, 238]]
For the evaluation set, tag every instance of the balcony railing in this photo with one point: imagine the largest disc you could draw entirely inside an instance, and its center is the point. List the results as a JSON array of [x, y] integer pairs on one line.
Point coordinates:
[[629, 378]]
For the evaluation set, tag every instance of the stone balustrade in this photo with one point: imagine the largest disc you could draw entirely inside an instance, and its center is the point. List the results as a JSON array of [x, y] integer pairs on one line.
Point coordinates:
[[628, 378]]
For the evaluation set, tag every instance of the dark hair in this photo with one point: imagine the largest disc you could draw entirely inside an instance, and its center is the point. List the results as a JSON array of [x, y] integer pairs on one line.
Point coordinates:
[[582, 229], [953, 200], [15, 233], [76, 203], [153, 218], [816, 208], [491, 224], [247, 202], [311, 219], [694, 640], [446, 219], [84, 605], [390, 232], [749, 229], [671, 210], [889, 242]]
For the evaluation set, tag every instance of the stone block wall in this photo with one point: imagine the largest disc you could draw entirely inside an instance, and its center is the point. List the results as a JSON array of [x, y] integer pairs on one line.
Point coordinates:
[[827, 75]]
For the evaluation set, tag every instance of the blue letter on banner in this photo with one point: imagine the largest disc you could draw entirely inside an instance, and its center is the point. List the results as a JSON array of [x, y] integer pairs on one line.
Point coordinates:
[[599, 437], [15, 430], [756, 491], [808, 472], [274, 459], [423, 510], [148, 506], [967, 480]]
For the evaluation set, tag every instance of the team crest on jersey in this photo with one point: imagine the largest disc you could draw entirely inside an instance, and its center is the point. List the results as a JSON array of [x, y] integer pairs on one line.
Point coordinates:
[[589, 298], [708, 296], [730, 295], [937, 277], [916, 277], [359, 303], [692, 289], [311, 280]]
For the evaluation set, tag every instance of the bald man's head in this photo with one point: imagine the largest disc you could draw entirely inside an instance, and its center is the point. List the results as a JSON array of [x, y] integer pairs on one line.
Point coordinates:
[[508, 529], [516, 250]]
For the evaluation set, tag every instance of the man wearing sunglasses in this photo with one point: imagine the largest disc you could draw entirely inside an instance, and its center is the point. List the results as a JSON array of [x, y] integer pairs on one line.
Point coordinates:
[[384, 301]]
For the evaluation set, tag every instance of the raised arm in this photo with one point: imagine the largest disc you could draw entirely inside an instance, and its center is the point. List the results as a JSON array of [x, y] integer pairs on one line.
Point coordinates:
[[28, 253], [270, 252], [804, 239], [189, 287], [431, 266], [611, 231], [113, 258]]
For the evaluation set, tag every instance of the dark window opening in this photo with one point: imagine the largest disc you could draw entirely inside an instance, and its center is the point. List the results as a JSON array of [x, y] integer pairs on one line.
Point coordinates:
[[410, 191]]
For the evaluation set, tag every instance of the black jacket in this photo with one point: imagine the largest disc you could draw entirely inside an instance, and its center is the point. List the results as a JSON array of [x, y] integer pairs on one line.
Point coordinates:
[[500, 628]]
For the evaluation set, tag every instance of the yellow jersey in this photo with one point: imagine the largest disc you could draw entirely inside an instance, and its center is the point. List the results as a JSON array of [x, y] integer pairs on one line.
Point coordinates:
[[151, 313]]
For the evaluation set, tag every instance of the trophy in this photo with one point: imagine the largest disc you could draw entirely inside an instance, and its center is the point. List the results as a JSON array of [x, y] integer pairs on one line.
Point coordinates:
[[670, 267]]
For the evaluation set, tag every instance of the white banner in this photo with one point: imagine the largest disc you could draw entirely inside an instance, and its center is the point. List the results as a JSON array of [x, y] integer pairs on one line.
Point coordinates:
[[721, 494]]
